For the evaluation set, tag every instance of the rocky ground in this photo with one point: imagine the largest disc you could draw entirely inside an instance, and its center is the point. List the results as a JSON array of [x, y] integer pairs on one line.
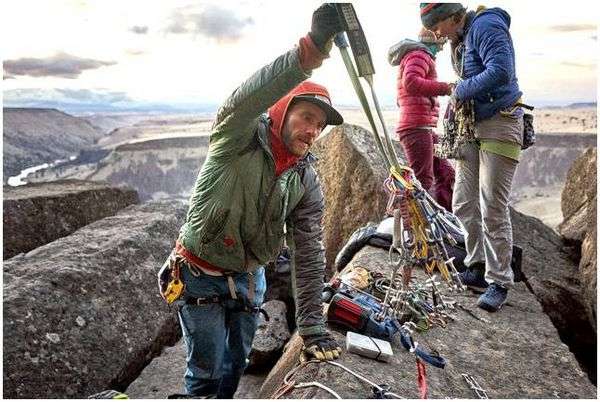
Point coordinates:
[[518, 341]]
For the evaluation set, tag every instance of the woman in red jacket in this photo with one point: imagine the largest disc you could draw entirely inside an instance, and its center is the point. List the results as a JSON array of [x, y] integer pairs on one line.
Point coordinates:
[[419, 110]]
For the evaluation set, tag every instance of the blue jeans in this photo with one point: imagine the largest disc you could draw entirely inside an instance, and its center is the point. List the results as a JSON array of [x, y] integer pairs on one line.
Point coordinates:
[[218, 336]]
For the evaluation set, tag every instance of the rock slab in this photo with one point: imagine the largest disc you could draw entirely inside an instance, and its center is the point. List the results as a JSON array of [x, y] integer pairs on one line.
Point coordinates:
[[578, 203], [36, 214], [82, 314], [271, 336], [164, 377]]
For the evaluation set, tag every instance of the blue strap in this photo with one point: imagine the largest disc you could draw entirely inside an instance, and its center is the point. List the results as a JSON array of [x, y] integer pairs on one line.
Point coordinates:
[[408, 343]]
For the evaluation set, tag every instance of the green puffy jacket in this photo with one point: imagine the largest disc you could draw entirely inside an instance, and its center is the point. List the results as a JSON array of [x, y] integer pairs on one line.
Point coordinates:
[[239, 210]]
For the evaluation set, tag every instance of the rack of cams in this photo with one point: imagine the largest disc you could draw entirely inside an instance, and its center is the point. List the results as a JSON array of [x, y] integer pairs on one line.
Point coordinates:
[[420, 224], [459, 129], [420, 228]]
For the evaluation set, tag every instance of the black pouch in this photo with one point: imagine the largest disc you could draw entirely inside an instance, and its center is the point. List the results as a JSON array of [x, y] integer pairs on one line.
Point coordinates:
[[528, 131]]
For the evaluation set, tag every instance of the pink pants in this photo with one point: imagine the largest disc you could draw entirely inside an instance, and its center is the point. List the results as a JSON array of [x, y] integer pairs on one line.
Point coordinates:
[[436, 175]]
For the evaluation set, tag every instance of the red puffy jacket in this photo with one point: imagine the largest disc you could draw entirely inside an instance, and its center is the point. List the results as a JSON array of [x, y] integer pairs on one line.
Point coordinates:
[[417, 91]]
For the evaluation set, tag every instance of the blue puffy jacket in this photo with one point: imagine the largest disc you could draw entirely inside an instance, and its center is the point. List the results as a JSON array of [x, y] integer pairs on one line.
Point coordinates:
[[489, 75]]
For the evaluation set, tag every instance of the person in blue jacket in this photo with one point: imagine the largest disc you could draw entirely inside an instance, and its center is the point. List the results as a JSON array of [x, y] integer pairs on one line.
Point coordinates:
[[484, 58]]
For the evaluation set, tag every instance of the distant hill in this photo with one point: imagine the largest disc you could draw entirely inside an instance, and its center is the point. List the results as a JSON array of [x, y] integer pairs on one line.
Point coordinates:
[[108, 123], [576, 105], [33, 136], [580, 105]]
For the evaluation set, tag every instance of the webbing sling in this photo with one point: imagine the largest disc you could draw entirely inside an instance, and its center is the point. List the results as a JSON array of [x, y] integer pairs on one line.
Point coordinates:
[[413, 347]]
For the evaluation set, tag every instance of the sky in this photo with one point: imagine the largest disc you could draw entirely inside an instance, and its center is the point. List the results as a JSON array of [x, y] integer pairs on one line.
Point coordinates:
[[195, 53]]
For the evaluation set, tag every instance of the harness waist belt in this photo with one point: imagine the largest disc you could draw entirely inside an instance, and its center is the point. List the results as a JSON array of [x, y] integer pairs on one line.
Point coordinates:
[[242, 305], [199, 262]]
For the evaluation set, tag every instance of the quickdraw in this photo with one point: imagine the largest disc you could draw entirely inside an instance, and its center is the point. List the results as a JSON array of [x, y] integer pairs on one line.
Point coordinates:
[[459, 129], [480, 392]]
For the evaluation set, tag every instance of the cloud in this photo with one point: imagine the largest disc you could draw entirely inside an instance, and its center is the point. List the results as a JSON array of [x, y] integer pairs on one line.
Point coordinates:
[[213, 22], [96, 100], [573, 27], [60, 65], [579, 65], [67, 95], [86, 95], [140, 30]]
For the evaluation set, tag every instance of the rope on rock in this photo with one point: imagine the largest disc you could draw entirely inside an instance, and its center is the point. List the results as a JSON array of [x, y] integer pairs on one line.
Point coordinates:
[[380, 391]]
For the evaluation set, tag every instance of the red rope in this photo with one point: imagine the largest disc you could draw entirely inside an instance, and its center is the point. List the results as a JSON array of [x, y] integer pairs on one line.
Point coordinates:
[[421, 379]]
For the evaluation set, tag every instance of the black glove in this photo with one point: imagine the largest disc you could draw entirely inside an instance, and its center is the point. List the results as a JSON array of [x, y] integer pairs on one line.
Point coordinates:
[[321, 347], [325, 24]]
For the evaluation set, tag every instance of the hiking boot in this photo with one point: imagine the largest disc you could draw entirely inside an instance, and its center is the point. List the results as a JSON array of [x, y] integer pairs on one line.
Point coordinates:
[[493, 298], [474, 278]]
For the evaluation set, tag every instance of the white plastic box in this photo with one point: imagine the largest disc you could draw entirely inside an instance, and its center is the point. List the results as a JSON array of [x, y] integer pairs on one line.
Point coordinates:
[[368, 346]]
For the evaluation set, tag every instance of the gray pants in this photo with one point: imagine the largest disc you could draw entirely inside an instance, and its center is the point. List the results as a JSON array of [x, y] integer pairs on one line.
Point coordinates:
[[481, 194]]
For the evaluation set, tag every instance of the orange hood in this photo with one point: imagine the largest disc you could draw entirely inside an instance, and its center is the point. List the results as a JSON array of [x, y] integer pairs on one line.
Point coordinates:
[[283, 158]]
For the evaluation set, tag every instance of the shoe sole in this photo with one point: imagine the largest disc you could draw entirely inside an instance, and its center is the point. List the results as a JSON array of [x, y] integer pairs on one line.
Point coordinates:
[[476, 288], [488, 307]]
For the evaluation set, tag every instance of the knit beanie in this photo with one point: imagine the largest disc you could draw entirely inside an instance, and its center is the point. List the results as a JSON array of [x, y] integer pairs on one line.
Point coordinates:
[[432, 13], [426, 36]]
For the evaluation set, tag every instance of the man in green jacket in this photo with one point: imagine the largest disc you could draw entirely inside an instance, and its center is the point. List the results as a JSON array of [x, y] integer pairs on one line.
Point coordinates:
[[256, 188]]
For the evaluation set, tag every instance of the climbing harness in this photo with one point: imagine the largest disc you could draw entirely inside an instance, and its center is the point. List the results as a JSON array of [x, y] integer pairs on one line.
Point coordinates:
[[480, 392]]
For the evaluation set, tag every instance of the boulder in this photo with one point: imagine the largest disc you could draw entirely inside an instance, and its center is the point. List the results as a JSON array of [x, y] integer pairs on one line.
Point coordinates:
[[352, 172], [578, 196], [36, 214], [519, 341], [578, 204], [588, 267], [270, 336], [82, 314]]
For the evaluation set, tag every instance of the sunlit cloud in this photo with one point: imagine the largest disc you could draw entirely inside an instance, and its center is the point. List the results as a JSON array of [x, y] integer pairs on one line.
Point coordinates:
[[213, 22], [60, 65]]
